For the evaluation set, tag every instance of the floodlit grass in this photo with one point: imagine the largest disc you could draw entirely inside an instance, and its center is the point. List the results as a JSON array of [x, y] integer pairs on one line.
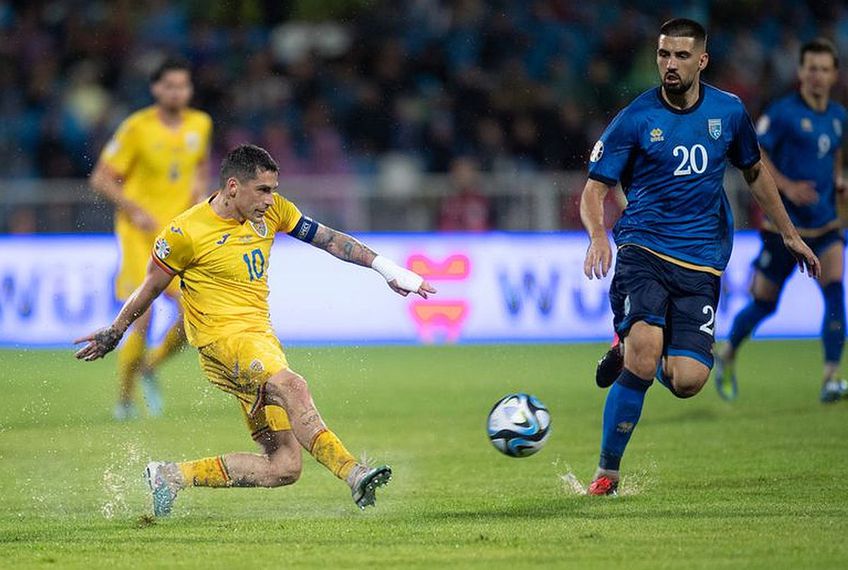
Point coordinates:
[[754, 484]]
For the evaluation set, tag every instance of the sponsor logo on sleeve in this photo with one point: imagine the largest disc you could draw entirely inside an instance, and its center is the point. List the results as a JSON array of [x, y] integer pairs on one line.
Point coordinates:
[[597, 152], [161, 248]]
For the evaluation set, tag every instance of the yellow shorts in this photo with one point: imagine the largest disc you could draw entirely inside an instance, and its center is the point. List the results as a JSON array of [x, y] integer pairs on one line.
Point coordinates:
[[136, 248], [240, 365]]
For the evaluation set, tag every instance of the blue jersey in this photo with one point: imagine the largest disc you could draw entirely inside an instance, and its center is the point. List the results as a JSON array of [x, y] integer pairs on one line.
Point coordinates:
[[671, 166], [802, 143]]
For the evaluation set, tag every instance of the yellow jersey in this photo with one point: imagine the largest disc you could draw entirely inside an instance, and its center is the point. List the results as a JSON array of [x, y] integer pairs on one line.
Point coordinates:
[[223, 268], [158, 164]]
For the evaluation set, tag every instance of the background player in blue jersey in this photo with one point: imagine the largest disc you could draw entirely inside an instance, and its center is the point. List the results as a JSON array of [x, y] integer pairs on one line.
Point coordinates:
[[801, 135], [669, 149]]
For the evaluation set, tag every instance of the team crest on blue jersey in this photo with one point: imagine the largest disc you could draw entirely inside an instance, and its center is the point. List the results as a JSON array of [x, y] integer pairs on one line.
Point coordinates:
[[261, 229], [714, 128], [161, 248], [806, 125], [657, 135]]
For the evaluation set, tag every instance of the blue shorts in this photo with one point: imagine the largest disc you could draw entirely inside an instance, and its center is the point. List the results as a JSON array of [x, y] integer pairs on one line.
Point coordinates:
[[775, 261], [682, 301]]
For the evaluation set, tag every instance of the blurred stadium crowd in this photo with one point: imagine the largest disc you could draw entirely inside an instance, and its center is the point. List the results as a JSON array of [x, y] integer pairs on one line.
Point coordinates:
[[333, 86]]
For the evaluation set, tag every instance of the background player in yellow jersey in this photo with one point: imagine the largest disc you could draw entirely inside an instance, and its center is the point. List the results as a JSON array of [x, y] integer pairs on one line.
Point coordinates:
[[221, 249], [155, 167]]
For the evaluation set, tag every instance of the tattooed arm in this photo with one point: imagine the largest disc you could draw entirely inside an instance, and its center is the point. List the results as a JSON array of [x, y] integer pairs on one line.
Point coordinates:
[[343, 246], [401, 280]]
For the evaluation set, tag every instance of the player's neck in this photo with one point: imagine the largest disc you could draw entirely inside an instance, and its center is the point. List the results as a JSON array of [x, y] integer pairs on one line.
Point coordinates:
[[225, 208], [171, 118], [685, 100], [815, 102]]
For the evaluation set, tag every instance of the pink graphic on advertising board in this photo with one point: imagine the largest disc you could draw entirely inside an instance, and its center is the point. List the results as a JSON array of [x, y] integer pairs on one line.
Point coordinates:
[[440, 319]]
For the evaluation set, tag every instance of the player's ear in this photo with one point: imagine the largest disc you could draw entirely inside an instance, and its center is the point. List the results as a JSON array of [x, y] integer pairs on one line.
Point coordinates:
[[703, 61], [232, 186]]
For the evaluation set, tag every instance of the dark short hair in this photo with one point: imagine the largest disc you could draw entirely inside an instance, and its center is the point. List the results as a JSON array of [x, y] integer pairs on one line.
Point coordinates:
[[684, 28], [819, 45], [169, 64], [245, 162]]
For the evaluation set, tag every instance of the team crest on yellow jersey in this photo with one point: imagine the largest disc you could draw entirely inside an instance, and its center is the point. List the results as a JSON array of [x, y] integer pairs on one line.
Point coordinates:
[[162, 248], [192, 140], [260, 228]]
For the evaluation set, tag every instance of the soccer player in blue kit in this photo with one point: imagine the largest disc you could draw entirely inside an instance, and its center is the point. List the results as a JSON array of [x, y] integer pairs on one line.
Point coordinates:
[[801, 135], [669, 149]]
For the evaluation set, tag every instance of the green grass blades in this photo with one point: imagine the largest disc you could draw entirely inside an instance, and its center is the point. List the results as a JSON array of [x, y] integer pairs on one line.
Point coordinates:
[[757, 483]]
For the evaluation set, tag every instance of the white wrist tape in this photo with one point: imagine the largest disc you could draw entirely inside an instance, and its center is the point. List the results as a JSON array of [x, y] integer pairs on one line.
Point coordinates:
[[391, 271]]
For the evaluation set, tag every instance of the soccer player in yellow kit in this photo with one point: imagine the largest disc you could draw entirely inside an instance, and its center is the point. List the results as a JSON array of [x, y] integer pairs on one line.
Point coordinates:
[[155, 167], [221, 250]]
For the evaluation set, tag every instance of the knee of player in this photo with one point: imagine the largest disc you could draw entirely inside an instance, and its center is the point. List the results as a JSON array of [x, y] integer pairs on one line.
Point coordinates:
[[643, 365], [766, 306], [285, 383], [284, 472], [686, 387], [286, 476]]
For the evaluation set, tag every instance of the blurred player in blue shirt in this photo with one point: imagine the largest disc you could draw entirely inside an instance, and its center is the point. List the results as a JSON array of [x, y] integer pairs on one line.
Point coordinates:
[[669, 149], [801, 135]]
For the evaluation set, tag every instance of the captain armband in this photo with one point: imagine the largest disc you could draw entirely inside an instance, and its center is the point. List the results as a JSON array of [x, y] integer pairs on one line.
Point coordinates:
[[304, 229]]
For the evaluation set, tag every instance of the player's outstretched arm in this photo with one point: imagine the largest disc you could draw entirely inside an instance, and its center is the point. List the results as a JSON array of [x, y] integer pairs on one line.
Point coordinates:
[[401, 280], [765, 191], [102, 342], [599, 255]]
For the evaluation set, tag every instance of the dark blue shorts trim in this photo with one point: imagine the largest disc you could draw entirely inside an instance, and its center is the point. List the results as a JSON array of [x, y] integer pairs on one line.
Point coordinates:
[[706, 361]]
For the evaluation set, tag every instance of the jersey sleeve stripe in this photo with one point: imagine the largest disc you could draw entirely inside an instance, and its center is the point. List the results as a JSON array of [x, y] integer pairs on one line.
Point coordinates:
[[164, 266], [603, 179]]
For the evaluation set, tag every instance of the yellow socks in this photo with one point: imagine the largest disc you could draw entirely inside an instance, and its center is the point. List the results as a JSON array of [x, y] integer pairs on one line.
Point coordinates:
[[173, 341], [208, 472], [129, 358], [329, 451]]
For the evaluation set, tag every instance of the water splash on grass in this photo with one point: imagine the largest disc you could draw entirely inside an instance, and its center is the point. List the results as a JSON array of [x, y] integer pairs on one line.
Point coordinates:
[[122, 480]]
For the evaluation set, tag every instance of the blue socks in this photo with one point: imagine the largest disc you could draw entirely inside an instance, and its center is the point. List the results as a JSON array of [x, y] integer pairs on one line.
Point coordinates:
[[621, 414], [833, 326], [748, 319]]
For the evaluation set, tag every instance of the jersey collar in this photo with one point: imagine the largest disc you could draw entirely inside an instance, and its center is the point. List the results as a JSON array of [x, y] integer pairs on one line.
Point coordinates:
[[693, 108], [807, 106]]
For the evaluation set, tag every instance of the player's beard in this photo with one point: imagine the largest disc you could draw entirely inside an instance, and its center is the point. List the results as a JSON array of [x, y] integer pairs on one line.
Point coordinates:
[[677, 88]]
